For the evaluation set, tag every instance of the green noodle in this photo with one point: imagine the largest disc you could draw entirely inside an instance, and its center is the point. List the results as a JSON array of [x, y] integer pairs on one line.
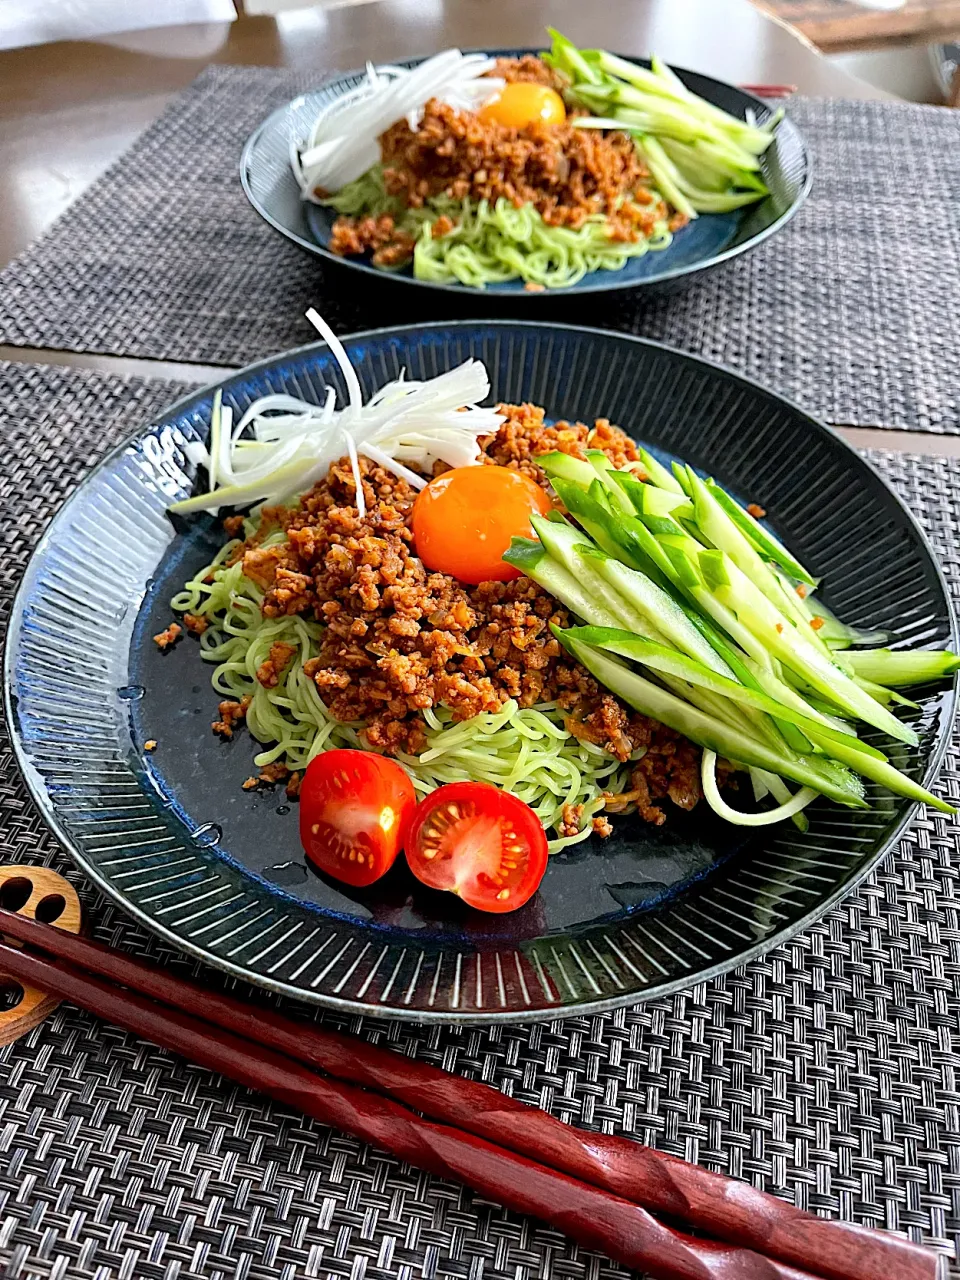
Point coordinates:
[[526, 751], [490, 244]]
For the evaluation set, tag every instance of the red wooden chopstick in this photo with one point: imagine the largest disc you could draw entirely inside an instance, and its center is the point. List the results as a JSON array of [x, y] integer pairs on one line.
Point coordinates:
[[770, 90], [622, 1230], [709, 1202]]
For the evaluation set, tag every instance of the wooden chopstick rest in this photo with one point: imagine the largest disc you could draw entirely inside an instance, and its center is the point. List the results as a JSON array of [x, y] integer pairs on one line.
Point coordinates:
[[39, 894]]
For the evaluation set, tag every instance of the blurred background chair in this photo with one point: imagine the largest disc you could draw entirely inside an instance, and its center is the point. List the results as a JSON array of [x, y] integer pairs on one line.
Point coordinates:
[[908, 47], [32, 22]]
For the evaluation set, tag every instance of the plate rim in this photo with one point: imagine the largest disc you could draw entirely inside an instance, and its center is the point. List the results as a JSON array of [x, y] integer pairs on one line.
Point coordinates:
[[449, 1017], [602, 286]]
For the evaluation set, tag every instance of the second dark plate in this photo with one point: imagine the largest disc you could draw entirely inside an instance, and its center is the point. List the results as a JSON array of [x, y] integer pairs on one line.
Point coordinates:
[[702, 245]]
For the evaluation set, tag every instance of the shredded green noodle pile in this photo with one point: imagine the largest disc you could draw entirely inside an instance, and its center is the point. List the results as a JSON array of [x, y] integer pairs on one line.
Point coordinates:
[[490, 244], [526, 751]]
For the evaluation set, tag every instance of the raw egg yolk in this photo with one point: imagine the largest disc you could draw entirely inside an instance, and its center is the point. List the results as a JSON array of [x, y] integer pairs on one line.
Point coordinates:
[[463, 521], [518, 105]]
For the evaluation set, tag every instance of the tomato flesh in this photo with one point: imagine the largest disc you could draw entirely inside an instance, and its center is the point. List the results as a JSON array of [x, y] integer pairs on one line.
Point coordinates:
[[463, 521], [355, 808], [478, 842]]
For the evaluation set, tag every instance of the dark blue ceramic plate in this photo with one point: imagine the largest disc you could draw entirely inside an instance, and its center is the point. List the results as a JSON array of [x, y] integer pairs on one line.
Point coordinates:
[[219, 871], [705, 243]]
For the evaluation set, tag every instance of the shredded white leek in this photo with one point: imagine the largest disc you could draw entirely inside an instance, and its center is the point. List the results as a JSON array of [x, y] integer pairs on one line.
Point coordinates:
[[343, 142], [281, 446], [708, 776]]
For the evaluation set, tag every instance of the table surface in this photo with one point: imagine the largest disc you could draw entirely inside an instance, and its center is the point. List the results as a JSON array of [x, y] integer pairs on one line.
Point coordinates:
[[67, 110], [847, 25]]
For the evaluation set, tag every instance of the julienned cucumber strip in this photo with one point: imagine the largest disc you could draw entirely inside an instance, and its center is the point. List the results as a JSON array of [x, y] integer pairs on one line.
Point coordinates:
[[566, 57], [634, 490], [739, 664], [708, 166], [650, 499], [622, 535], [655, 82], [838, 634], [712, 164], [533, 559], [789, 644], [780, 792], [827, 777], [645, 499], [724, 533], [606, 493], [658, 502], [680, 475], [565, 543], [762, 539], [661, 659], [574, 580], [571, 549], [562, 541], [658, 473], [880, 770], [670, 623], [721, 646], [585, 490], [742, 670], [774, 686], [565, 467], [675, 180], [813, 684], [593, 517], [661, 609], [583, 590], [626, 539], [725, 618], [899, 667], [599, 461], [665, 175], [885, 696]]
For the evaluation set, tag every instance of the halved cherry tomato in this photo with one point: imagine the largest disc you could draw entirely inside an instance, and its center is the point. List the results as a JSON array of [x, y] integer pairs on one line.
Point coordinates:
[[479, 842], [463, 521], [520, 104], [355, 808]]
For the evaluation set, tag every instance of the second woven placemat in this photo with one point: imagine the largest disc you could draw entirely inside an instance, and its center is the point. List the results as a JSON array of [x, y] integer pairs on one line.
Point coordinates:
[[847, 310], [826, 1071]]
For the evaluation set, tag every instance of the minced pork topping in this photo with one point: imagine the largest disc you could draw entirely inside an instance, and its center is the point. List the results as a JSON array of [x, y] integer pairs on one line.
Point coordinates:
[[567, 174], [399, 638]]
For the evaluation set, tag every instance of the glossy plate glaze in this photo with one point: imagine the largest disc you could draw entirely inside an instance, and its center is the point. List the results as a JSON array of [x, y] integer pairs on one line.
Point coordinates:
[[219, 871], [705, 243]]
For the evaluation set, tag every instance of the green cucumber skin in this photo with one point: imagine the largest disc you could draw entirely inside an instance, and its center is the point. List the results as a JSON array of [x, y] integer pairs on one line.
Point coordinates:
[[834, 782]]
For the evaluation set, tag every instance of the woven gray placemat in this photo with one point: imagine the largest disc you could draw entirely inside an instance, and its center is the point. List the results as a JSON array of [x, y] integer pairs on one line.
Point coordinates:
[[826, 1072], [848, 309]]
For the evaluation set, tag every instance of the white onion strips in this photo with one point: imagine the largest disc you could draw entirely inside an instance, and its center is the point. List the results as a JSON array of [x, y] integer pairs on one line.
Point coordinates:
[[343, 142], [281, 446]]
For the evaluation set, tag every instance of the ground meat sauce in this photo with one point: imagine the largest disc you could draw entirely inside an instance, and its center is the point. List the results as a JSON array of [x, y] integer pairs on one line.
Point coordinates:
[[167, 638], [399, 639], [389, 246], [525, 434], [195, 623], [528, 70], [269, 672], [567, 174], [231, 712]]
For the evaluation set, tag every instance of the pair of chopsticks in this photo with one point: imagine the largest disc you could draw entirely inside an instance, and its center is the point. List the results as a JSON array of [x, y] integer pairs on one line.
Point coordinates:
[[601, 1190]]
